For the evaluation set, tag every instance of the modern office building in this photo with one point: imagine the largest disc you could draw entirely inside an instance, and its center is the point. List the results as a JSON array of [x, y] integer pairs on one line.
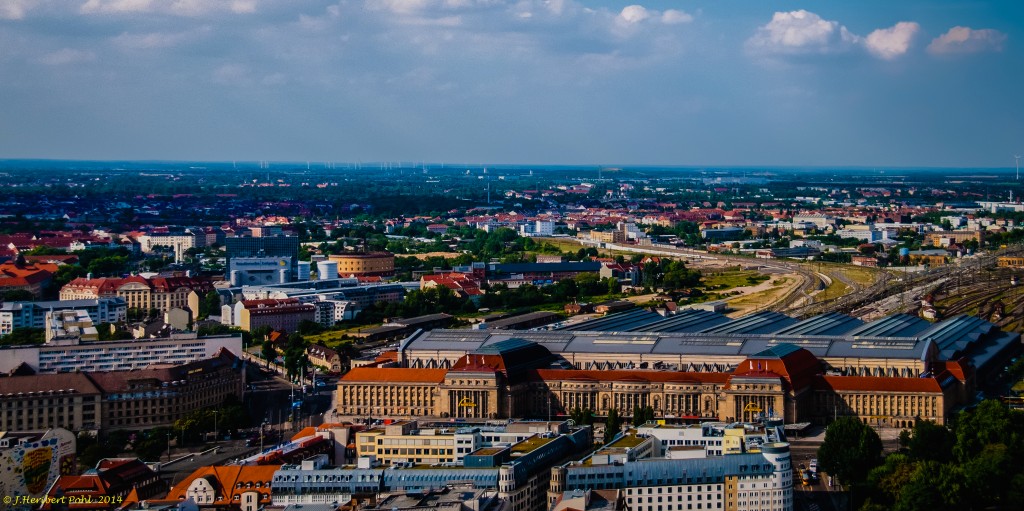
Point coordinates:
[[33, 314], [255, 271], [263, 246]]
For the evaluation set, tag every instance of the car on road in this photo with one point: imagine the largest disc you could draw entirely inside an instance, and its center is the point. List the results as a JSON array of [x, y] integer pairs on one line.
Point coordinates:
[[813, 467]]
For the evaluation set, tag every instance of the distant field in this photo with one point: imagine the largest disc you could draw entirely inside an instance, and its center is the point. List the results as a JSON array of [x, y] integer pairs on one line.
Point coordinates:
[[446, 255]]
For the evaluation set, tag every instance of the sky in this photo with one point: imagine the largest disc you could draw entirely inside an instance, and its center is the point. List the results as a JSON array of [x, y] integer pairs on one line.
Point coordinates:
[[870, 83]]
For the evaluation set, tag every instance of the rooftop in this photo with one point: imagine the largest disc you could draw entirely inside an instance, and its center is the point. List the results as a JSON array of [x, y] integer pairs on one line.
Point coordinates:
[[630, 441], [530, 444]]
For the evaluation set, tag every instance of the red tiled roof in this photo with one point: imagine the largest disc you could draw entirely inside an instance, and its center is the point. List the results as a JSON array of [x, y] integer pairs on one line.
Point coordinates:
[[797, 368], [14, 275], [880, 384], [394, 374], [77, 382], [388, 356], [228, 477]]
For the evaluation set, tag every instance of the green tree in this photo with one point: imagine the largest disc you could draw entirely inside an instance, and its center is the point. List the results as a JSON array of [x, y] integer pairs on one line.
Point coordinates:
[[990, 423], [18, 295], [614, 287], [921, 493], [110, 265], [582, 416], [66, 273], [850, 450], [46, 250], [612, 425], [269, 351], [210, 305], [887, 481], [930, 441], [22, 335], [295, 359]]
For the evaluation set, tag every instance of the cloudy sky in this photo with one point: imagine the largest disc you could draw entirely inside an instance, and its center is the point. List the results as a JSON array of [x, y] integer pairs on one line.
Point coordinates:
[[866, 83]]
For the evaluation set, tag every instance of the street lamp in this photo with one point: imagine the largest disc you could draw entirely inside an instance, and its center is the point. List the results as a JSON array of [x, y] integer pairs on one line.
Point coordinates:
[[169, 435], [216, 432]]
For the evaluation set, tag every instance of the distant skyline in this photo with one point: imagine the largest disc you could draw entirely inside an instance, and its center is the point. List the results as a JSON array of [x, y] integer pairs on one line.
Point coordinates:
[[705, 83]]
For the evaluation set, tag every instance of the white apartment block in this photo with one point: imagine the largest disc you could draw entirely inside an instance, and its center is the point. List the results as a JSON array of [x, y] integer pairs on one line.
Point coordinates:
[[71, 356], [33, 314]]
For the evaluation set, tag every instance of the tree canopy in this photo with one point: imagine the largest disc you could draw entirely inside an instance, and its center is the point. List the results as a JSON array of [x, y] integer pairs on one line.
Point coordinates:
[[850, 450]]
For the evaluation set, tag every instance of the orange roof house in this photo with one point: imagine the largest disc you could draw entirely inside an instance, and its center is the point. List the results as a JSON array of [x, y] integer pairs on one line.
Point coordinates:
[[108, 486], [225, 487], [29, 277]]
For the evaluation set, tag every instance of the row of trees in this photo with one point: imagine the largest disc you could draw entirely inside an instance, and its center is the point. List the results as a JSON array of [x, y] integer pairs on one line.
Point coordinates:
[[972, 464], [150, 444]]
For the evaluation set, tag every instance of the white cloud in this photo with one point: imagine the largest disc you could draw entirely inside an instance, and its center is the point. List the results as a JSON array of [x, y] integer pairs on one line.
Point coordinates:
[[889, 43], [397, 6], [176, 7], [232, 74], [243, 6], [675, 17], [158, 39], [963, 40], [112, 6], [15, 9], [634, 14], [801, 32], [67, 56]]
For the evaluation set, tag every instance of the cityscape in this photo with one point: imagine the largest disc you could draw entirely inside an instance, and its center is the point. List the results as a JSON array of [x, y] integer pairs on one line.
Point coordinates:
[[358, 256]]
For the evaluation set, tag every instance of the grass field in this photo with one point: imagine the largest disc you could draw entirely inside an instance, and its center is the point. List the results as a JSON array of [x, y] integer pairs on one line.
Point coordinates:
[[723, 281], [743, 305], [859, 274]]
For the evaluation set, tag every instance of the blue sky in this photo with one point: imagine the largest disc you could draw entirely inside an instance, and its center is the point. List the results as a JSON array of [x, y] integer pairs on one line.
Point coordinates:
[[867, 83]]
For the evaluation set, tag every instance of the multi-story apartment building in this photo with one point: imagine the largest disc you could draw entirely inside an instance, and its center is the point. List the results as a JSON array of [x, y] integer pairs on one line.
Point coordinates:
[[159, 293], [151, 397], [283, 315], [521, 472], [761, 481], [36, 403], [33, 314], [70, 356], [139, 399]]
